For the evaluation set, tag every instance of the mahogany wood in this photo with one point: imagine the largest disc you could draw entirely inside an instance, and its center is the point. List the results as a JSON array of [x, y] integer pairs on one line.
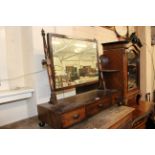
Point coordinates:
[[74, 109], [99, 105], [124, 123], [141, 114], [116, 52], [73, 117], [48, 62]]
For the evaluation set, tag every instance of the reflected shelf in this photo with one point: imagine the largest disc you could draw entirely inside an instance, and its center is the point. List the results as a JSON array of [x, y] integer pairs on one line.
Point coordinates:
[[109, 71]]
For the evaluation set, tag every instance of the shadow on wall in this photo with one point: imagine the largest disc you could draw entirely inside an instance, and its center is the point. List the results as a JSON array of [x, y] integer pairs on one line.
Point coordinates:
[[41, 79]]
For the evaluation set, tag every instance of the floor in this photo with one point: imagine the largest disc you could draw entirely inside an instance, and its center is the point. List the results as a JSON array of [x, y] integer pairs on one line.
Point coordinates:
[[31, 123]]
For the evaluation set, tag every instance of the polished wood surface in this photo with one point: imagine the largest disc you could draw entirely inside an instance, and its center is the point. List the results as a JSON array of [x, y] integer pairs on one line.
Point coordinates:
[[115, 117], [140, 124], [74, 109], [73, 117], [119, 117], [116, 53], [98, 106], [124, 123], [120, 44], [48, 63], [81, 107]]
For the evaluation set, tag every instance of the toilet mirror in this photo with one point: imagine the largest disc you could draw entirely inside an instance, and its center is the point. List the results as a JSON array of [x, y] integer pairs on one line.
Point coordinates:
[[74, 61]]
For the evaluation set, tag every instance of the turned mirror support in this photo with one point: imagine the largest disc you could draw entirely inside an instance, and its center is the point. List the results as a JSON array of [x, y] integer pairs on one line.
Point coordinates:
[[74, 62], [47, 62]]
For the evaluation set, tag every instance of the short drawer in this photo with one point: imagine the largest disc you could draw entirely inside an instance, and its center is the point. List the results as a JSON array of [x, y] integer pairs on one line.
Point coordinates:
[[73, 117], [141, 124], [96, 107]]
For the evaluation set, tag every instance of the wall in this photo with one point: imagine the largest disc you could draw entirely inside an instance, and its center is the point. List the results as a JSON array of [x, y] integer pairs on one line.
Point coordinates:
[[146, 68], [23, 52], [3, 59], [15, 63], [14, 56]]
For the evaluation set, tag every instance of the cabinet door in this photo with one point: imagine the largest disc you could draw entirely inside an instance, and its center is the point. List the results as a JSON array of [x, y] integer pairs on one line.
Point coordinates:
[[133, 69]]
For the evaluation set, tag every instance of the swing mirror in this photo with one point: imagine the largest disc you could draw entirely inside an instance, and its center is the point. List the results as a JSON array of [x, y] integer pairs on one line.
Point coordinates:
[[74, 61]]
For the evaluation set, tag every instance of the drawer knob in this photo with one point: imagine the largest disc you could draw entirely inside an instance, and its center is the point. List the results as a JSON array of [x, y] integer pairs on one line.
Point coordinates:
[[76, 116], [100, 105]]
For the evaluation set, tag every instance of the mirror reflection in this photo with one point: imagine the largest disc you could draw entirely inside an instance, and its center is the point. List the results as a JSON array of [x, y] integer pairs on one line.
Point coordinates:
[[75, 61], [132, 70]]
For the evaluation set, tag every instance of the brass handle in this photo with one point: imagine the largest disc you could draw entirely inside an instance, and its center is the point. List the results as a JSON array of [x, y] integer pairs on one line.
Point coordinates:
[[100, 105], [76, 116]]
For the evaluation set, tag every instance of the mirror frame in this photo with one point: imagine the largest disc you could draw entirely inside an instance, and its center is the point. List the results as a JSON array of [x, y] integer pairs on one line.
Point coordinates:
[[50, 52]]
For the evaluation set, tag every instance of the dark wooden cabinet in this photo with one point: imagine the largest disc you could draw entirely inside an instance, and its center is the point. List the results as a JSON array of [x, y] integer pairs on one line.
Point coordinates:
[[120, 68], [72, 110], [115, 78], [73, 63]]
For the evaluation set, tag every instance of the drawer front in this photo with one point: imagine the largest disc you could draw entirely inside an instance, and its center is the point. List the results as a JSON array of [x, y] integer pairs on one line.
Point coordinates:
[[97, 106], [73, 117], [141, 124]]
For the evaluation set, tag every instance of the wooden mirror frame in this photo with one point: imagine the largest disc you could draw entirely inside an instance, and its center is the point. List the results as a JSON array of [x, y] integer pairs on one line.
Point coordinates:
[[48, 62]]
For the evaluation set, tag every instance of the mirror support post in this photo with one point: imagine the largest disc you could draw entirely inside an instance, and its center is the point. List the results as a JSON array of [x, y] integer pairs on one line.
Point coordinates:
[[47, 63]]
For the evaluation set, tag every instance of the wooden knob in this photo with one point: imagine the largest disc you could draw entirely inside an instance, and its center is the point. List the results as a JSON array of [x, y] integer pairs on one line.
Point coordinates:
[[76, 116], [100, 105]]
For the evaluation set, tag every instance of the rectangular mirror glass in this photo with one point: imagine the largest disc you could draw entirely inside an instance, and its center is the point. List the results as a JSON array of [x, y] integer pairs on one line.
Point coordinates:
[[133, 62], [74, 60]]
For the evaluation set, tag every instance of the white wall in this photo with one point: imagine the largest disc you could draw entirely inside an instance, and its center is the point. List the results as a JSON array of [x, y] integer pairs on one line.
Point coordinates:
[[3, 59], [11, 66], [146, 67], [23, 50], [15, 53], [14, 56], [14, 111]]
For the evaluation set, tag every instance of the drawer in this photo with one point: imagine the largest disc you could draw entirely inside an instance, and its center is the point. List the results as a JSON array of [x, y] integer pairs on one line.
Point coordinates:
[[73, 117], [141, 124], [97, 106]]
